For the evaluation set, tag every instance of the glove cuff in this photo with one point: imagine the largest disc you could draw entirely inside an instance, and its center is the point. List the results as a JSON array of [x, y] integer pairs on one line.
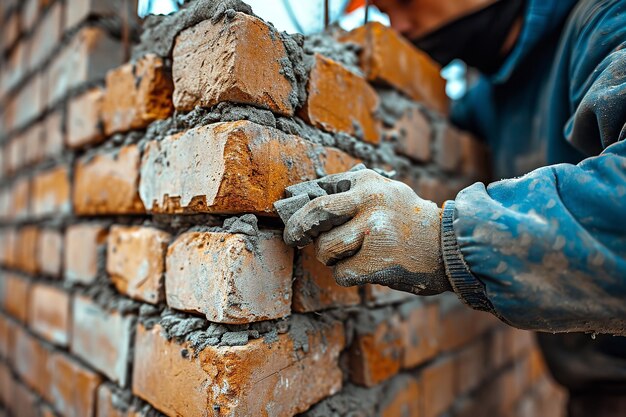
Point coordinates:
[[469, 288]]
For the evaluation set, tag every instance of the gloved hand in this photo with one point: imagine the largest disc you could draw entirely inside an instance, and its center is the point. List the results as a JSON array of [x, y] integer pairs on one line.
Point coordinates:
[[373, 230]]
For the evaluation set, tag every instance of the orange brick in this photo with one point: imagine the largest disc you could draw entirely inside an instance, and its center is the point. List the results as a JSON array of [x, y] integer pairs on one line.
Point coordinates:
[[232, 60], [7, 337], [50, 252], [403, 398], [102, 338], [414, 135], [87, 57], [7, 386], [390, 59], [449, 149], [471, 366], [108, 183], [462, 325], [420, 333], [8, 239], [246, 168], [31, 361], [136, 95], [20, 194], [49, 313], [24, 402], [258, 379], [376, 353], [15, 295], [84, 119], [83, 243], [51, 192], [241, 286], [73, 387], [340, 101], [315, 288], [26, 249], [438, 387], [136, 261]]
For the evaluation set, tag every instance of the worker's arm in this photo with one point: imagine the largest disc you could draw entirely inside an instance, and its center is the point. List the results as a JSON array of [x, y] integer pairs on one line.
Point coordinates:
[[547, 251]]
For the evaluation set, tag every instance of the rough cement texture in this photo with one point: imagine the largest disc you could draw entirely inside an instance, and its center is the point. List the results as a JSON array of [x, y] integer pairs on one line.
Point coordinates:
[[325, 43], [160, 31]]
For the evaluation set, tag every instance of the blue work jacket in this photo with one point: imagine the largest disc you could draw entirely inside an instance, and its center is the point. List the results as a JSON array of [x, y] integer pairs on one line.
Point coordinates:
[[545, 247]]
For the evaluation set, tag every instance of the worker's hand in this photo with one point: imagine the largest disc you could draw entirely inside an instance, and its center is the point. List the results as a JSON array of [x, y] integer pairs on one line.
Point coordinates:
[[373, 230]]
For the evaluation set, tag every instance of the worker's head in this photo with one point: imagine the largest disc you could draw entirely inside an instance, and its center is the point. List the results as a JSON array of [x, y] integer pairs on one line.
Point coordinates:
[[480, 32]]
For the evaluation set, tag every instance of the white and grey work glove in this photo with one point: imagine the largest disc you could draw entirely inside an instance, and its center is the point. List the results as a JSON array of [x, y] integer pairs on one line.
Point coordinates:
[[373, 230]]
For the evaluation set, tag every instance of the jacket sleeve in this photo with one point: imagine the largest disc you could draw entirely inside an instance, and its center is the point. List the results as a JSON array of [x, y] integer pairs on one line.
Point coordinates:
[[547, 251]]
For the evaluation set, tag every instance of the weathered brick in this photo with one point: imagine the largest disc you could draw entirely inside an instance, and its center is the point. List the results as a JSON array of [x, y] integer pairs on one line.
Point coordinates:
[[390, 59], [109, 403], [438, 388], [471, 366], [7, 337], [376, 353], [51, 192], [7, 386], [73, 387], [136, 261], [15, 154], [53, 134], [108, 183], [413, 135], [50, 252], [136, 95], [102, 338], [315, 288], [87, 57], [461, 325], [15, 68], [231, 60], [20, 198], [258, 379], [84, 245], [79, 10], [84, 119], [245, 169], [49, 313], [8, 239], [47, 34], [10, 31], [403, 398], [29, 101], [33, 144], [24, 402], [31, 361], [449, 149], [26, 249], [339, 100], [15, 295], [420, 333], [243, 284], [30, 12]]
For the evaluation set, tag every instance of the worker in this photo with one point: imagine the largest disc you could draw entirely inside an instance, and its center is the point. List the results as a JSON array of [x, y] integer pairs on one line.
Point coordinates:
[[544, 248]]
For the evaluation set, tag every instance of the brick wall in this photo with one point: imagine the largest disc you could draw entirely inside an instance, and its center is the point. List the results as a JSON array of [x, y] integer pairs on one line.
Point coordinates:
[[142, 267]]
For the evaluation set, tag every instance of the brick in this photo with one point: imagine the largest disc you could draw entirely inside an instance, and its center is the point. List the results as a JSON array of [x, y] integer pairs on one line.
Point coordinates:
[[29, 101], [73, 387], [420, 333], [475, 158], [8, 246], [50, 252], [20, 194], [449, 149], [26, 249], [376, 353], [438, 387], [30, 12], [259, 379], [240, 287], [10, 31], [15, 154], [388, 58], [108, 403], [15, 68], [46, 411], [212, 64], [79, 10], [7, 337], [471, 366], [137, 94], [136, 261], [84, 244], [51, 192], [87, 57], [338, 100], [31, 362], [24, 402], [47, 34], [108, 183], [54, 134], [403, 398], [102, 338], [378, 295], [84, 119], [315, 288], [49, 313], [33, 144], [246, 168], [7, 386], [413, 135], [461, 325], [15, 295]]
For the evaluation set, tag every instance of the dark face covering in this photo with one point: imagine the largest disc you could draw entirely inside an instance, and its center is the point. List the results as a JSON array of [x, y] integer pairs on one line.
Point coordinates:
[[476, 39]]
